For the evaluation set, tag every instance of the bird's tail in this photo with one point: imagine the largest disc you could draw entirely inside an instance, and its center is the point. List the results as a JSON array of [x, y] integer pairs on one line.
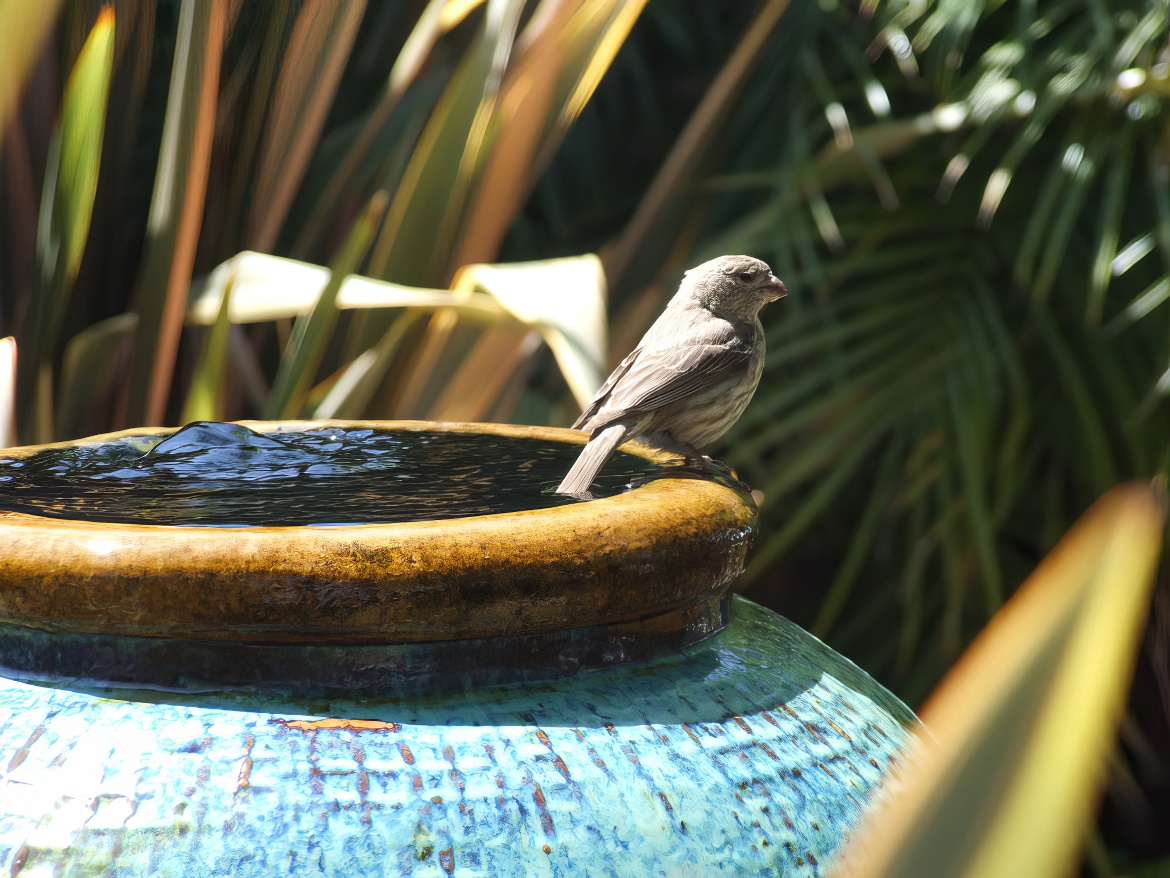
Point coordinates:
[[593, 457]]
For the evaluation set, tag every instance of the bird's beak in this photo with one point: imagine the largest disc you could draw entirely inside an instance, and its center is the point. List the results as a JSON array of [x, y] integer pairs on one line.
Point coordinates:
[[776, 287]]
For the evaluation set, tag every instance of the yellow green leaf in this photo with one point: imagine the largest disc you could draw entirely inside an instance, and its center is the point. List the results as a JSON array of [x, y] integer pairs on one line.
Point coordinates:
[[70, 184], [1021, 730], [205, 396]]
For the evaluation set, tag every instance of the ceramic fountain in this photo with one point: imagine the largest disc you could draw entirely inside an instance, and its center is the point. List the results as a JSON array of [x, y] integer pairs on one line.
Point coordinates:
[[437, 666]]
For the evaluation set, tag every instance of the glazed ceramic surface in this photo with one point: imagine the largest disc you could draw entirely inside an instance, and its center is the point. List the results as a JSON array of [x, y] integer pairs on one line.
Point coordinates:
[[750, 753]]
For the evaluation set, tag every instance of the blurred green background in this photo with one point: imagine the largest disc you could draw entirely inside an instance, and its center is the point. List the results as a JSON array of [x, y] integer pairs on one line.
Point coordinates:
[[969, 202]]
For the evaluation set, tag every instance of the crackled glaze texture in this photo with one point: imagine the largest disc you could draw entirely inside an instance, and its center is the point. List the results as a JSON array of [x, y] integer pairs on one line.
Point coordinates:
[[750, 753]]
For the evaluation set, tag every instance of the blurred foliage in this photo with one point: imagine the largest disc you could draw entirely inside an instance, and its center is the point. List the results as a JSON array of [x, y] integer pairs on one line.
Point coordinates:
[[989, 792], [328, 130], [970, 204]]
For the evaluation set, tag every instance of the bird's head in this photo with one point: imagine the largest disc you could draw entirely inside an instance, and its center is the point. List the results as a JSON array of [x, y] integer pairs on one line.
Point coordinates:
[[734, 286]]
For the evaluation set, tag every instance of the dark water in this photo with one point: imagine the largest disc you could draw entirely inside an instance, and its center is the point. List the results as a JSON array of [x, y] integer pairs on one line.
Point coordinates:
[[226, 475]]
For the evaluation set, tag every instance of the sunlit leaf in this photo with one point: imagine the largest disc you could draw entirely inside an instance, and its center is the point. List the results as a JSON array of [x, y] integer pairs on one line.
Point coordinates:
[[1021, 730], [205, 395], [70, 185], [274, 288]]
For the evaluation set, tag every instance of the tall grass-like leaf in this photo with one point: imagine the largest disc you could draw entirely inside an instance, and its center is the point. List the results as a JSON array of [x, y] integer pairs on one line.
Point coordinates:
[[70, 185], [176, 208], [23, 29], [1022, 728], [351, 394], [658, 208], [321, 40], [411, 247], [564, 54], [86, 369], [205, 395], [548, 78], [431, 25], [475, 389], [1116, 189], [246, 93], [306, 345]]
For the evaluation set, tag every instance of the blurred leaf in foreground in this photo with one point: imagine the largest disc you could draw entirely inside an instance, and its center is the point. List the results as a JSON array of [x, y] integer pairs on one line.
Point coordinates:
[[1021, 730]]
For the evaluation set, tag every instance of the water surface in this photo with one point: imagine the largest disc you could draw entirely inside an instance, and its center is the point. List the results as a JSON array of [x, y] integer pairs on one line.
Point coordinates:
[[227, 475]]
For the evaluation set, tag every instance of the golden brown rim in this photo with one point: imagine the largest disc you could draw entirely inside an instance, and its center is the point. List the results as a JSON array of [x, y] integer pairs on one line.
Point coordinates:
[[669, 544]]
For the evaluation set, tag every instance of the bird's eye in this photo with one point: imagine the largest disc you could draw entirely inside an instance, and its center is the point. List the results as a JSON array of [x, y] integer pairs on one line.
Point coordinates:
[[745, 276]]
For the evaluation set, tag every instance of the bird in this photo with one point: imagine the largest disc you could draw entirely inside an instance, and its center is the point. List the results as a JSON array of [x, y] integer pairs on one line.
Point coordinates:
[[692, 374]]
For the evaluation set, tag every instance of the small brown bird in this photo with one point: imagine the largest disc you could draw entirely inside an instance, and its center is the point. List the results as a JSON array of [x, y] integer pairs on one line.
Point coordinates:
[[692, 374]]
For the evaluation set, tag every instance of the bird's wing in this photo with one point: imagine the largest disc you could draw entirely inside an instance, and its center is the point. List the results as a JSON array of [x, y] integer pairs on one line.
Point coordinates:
[[603, 394], [657, 378]]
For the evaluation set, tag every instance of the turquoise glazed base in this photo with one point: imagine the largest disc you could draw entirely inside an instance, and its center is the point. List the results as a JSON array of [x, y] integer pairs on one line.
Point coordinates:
[[750, 753]]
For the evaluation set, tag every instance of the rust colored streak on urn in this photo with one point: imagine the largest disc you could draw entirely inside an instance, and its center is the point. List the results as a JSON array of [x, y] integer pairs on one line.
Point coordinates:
[[353, 725], [19, 860], [20, 755], [546, 820], [243, 779], [447, 860], [407, 756], [739, 721]]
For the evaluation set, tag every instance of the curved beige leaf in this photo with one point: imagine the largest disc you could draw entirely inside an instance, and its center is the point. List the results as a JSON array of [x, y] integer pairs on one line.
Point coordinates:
[[273, 288], [564, 300]]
